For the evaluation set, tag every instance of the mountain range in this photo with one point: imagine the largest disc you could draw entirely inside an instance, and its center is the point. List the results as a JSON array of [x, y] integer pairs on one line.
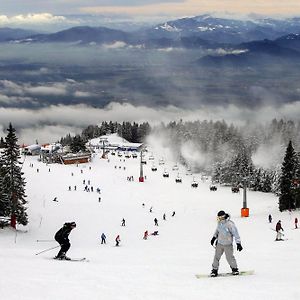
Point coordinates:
[[241, 40]]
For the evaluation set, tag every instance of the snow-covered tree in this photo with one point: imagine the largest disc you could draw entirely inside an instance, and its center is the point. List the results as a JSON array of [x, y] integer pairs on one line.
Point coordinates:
[[77, 144], [13, 180], [286, 196], [297, 182], [4, 201]]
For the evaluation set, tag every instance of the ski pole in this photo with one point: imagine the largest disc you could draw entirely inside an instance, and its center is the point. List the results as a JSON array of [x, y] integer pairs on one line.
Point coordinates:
[[38, 241], [47, 250]]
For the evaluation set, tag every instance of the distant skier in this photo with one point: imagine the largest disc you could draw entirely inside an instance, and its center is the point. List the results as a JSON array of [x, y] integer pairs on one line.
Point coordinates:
[[145, 235], [270, 219], [150, 210], [296, 223], [154, 233], [118, 240], [123, 222], [224, 234], [55, 199], [155, 222], [279, 231], [173, 214], [164, 217], [62, 237], [103, 238]]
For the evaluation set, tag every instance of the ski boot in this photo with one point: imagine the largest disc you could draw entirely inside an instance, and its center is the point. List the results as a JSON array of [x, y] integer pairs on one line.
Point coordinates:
[[235, 271], [64, 257], [214, 273]]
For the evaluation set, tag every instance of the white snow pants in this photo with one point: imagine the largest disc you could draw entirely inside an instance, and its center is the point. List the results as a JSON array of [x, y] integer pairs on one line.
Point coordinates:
[[220, 249], [279, 235]]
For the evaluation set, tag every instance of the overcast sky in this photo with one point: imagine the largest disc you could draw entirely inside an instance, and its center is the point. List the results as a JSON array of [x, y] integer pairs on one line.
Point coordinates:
[[149, 7]]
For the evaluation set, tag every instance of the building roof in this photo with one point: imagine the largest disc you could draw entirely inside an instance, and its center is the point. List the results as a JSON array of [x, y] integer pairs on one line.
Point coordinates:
[[112, 140]]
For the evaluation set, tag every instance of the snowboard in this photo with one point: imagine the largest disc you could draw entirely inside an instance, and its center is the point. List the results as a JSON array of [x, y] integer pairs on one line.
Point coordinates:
[[242, 273]]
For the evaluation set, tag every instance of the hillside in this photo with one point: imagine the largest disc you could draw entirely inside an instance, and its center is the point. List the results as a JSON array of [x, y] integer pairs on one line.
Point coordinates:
[[162, 267]]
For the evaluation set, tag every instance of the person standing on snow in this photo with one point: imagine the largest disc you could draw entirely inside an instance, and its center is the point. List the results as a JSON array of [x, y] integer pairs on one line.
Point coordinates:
[[279, 230], [118, 240], [145, 235], [224, 234], [62, 237], [296, 223], [270, 219], [103, 238]]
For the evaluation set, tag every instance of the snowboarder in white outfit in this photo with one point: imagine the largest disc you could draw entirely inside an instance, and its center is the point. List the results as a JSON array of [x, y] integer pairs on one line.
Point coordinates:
[[223, 236]]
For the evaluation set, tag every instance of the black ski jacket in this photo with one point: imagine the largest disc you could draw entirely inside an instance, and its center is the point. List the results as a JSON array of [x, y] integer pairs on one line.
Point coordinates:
[[62, 235]]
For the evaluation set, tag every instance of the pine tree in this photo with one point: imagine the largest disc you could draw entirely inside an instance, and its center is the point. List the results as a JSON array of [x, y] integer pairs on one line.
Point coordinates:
[[286, 195], [4, 201], [267, 184], [2, 143], [77, 144], [297, 182], [13, 181]]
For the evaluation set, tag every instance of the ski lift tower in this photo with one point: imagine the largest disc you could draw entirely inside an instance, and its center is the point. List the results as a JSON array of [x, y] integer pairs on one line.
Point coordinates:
[[103, 140], [245, 209], [141, 178]]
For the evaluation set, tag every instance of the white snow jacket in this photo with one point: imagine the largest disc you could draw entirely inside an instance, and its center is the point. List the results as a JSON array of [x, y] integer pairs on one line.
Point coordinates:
[[225, 232]]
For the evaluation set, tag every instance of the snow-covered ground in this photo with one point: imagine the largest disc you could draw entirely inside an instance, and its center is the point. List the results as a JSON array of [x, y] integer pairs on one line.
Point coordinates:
[[160, 268]]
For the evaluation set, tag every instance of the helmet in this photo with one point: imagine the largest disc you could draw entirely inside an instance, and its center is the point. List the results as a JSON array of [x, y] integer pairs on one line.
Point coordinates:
[[73, 224], [221, 213]]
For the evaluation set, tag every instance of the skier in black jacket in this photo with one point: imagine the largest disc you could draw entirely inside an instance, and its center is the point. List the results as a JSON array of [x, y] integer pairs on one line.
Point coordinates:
[[62, 237]]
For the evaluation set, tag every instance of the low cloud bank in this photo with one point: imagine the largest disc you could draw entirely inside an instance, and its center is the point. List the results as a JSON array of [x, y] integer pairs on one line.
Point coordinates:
[[80, 116]]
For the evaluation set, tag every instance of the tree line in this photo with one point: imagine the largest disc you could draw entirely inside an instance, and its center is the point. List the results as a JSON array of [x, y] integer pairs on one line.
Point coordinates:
[[132, 132], [226, 153]]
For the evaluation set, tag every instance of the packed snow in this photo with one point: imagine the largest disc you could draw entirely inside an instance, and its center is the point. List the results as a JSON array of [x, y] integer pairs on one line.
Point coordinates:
[[162, 267]]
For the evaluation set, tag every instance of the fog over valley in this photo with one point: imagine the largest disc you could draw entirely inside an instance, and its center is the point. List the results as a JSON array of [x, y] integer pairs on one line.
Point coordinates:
[[196, 68]]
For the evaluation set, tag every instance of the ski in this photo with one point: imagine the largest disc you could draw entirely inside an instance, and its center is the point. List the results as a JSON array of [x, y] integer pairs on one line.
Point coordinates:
[[79, 259], [83, 259], [242, 273]]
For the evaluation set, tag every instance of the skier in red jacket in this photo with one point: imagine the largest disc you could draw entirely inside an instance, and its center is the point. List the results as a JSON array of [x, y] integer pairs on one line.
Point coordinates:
[[145, 235]]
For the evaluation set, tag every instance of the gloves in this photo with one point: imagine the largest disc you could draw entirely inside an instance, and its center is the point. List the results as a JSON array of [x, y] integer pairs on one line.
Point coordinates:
[[239, 247], [213, 240]]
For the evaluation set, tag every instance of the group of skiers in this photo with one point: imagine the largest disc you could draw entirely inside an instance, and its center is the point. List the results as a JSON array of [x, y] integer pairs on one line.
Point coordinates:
[[222, 240], [279, 230]]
